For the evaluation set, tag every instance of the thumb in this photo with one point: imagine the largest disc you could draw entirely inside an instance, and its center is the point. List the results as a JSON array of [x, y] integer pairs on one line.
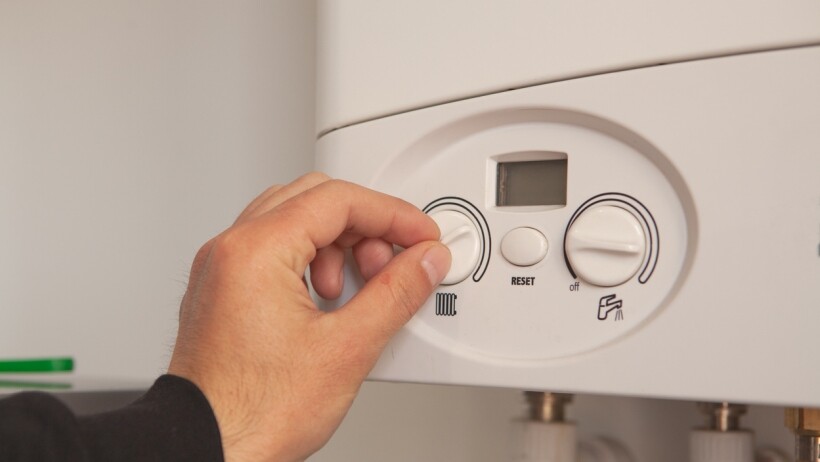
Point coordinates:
[[394, 295]]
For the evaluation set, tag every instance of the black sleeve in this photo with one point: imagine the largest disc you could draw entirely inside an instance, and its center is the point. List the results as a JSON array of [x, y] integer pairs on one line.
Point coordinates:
[[173, 421]]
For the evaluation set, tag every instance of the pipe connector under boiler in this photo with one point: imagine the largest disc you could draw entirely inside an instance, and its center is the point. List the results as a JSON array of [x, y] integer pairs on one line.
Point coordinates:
[[545, 435], [722, 439], [722, 417], [805, 423], [547, 407]]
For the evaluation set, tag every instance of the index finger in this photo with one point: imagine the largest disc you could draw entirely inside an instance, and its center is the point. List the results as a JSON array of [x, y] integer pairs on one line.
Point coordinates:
[[317, 217]]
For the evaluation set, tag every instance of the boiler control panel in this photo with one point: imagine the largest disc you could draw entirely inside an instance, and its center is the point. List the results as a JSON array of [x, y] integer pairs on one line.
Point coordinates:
[[650, 232], [564, 237]]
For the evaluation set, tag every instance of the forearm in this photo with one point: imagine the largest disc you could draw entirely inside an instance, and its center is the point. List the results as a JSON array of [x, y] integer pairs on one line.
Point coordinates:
[[172, 421]]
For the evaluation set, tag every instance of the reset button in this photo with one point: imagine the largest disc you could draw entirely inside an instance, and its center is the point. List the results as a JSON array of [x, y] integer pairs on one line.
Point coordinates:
[[524, 246]]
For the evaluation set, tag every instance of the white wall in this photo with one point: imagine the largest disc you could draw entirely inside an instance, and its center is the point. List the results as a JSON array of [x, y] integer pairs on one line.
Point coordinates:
[[130, 133]]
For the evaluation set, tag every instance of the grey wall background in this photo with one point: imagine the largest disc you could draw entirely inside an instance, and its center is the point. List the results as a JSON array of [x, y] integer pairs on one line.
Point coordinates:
[[130, 133], [133, 131]]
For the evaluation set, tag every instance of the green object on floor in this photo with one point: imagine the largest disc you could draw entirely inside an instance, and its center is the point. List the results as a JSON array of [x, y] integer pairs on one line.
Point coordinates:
[[29, 385]]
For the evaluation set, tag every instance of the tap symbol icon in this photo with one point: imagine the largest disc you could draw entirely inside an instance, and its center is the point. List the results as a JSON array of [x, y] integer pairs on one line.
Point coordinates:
[[607, 304]]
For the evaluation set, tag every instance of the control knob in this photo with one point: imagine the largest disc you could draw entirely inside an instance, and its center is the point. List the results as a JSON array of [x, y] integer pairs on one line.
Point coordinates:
[[606, 245], [462, 237]]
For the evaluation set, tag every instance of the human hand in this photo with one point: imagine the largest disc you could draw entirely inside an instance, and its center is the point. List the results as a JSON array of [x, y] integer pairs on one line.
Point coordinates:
[[279, 373]]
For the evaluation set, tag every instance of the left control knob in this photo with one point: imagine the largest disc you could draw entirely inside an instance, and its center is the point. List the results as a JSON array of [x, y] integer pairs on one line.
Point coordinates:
[[460, 234]]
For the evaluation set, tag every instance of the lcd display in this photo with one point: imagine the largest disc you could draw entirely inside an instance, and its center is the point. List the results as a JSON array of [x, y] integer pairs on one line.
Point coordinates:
[[538, 182]]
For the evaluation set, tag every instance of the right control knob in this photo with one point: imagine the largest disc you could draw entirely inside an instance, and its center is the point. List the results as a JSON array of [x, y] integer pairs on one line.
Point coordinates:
[[605, 245]]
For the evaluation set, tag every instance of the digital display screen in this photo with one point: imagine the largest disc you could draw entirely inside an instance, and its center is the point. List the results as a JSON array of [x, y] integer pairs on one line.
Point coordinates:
[[537, 182]]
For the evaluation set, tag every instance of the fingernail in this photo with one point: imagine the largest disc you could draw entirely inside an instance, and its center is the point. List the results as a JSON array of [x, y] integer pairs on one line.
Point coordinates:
[[436, 262]]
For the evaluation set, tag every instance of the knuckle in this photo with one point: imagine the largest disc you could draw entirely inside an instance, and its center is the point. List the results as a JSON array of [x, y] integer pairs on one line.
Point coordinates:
[[272, 190], [228, 247], [201, 257], [316, 177], [337, 186]]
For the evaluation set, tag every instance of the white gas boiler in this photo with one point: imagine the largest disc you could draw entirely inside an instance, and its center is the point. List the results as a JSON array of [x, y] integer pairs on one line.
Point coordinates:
[[630, 190]]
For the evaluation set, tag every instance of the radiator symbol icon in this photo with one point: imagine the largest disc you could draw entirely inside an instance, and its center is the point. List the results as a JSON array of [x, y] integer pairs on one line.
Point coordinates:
[[446, 304]]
